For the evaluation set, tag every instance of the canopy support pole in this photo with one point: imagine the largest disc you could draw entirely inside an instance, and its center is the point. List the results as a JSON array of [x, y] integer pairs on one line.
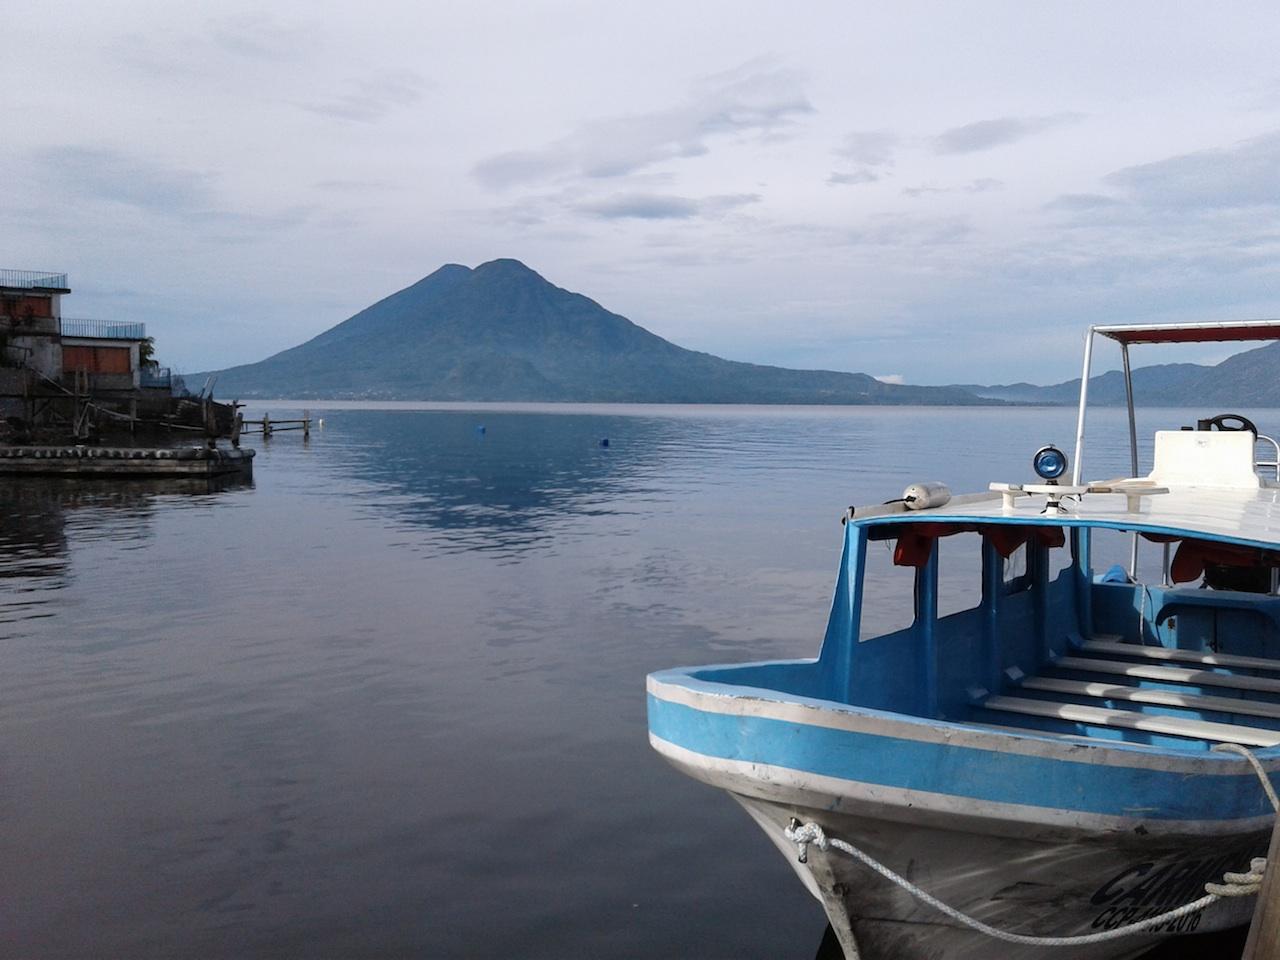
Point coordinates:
[[1084, 399], [1133, 446]]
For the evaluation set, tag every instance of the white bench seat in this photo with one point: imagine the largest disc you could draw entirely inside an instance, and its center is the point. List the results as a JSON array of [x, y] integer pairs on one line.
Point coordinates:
[[1143, 671], [1130, 720], [1229, 660], [1165, 698]]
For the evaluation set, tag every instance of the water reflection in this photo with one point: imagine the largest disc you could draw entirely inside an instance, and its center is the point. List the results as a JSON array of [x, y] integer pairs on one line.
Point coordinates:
[[506, 480], [500, 481], [38, 515]]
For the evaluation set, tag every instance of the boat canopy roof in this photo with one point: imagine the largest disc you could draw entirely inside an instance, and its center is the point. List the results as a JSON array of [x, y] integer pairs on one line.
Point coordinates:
[[1246, 517], [1192, 332], [1126, 334]]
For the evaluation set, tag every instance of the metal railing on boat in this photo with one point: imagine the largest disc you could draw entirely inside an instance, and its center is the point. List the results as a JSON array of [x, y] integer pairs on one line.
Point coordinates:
[[1274, 464]]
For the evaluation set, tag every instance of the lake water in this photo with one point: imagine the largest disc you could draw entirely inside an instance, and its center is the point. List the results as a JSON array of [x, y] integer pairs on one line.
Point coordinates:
[[388, 700]]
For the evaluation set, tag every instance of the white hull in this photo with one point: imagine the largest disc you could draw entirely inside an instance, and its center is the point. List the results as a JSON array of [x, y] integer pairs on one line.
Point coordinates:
[[1049, 887]]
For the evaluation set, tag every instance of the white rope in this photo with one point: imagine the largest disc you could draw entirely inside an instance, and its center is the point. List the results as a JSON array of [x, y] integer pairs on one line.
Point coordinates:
[[805, 834], [1257, 768], [1240, 884], [1233, 884]]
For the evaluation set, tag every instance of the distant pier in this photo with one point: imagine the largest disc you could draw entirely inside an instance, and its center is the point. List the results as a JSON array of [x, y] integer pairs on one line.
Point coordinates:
[[266, 426]]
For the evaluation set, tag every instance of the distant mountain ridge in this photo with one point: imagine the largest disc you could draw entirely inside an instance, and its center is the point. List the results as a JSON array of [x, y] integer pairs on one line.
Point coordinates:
[[501, 332], [1248, 379]]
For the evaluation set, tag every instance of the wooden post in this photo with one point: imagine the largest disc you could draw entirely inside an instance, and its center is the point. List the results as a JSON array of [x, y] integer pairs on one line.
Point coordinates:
[[306, 424], [1264, 932], [266, 425]]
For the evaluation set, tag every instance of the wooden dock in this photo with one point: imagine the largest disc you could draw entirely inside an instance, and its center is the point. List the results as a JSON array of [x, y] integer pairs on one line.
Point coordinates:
[[1264, 932], [93, 461]]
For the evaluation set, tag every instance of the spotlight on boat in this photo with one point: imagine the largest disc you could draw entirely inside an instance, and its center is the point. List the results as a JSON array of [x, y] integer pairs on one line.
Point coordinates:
[[1049, 463]]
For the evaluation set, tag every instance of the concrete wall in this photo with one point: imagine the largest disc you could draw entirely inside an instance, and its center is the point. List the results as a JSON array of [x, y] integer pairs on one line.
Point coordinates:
[[31, 322]]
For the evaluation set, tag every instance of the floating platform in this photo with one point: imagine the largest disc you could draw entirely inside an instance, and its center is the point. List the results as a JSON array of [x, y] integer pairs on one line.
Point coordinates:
[[91, 461]]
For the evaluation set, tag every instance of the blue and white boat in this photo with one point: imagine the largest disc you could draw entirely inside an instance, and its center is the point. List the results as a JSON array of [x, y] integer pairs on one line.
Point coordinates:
[[1049, 761]]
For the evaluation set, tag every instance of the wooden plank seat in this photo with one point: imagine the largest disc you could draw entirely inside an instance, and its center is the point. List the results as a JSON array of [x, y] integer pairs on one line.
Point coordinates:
[[1230, 660], [1140, 695], [1132, 720], [1143, 671]]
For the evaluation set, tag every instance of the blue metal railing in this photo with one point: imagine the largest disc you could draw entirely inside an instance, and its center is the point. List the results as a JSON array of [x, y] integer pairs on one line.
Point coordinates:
[[103, 329], [160, 377], [33, 279]]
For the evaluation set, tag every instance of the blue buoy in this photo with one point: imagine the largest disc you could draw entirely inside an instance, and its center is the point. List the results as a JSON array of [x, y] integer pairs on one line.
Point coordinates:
[[604, 442], [480, 429]]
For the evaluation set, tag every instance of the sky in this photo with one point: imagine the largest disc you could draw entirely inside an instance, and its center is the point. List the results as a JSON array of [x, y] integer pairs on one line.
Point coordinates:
[[936, 192]]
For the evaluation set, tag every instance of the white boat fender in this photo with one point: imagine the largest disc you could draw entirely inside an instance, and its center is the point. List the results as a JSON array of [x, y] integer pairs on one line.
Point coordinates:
[[922, 496]]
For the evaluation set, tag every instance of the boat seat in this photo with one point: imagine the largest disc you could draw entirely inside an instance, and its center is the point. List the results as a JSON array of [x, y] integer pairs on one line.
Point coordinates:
[[1142, 671], [1131, 720], [1183, 656], [1165, 698]]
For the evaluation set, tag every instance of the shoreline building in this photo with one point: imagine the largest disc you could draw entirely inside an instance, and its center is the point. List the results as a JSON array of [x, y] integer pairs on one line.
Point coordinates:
[[66, 372]]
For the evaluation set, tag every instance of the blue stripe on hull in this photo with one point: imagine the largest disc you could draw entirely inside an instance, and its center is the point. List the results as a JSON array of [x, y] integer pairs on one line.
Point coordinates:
[[989, 775]]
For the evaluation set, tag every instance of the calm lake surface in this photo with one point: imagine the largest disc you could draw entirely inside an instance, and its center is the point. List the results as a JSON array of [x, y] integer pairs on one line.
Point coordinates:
[[388, 700]]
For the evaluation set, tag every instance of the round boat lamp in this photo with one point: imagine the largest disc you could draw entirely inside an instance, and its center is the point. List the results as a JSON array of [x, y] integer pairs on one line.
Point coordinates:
[[1049, 463]]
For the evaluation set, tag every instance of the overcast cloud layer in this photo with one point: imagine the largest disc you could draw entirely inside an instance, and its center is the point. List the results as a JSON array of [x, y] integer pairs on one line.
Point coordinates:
[[925, 193]]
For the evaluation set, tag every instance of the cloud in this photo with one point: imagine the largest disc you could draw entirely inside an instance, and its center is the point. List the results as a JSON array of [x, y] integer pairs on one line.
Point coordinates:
[[514, 167], [891, 378], [110, 179], [351, 186], [869, 148], [235, 224], [755, 100], [107, 175], [981, 185], [1174, 238], [986, 134], [260, 37], [221, 44], [1240, 176], [372, 98], [852, 179], [641, 206], [1077, 202], [910, 233]]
